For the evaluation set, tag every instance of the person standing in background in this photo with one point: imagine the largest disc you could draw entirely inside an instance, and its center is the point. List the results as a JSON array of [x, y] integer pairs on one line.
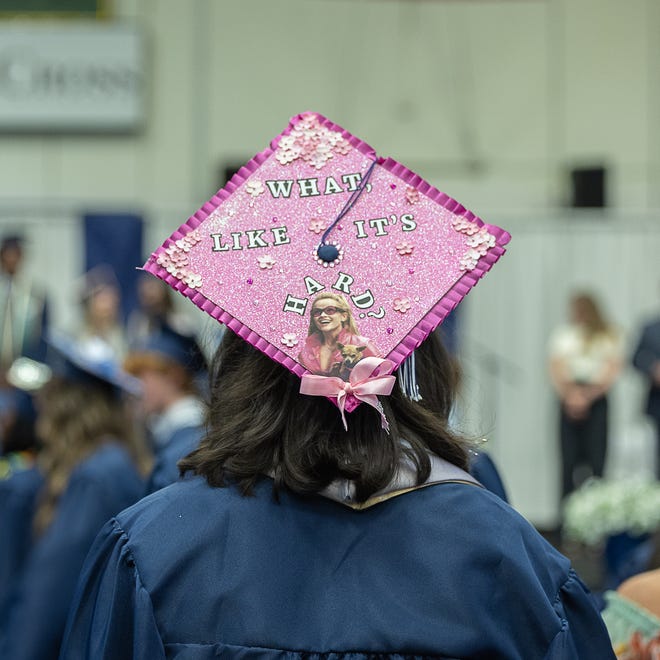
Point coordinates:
[[586, 356], [156, 312], [90, 468], [23, 308], [646, 359], [170, 366], [101, 330]]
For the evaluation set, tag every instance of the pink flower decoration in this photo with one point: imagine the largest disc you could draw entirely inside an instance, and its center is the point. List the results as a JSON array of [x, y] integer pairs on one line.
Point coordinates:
[[266, 262], [254, 188], [401, 305], [343, 147], [482, 241], [285, 157], [317, 225], [312, 142], [175, 259], [464, 225], [404, 248], [194, 237], [412, 195], [289, 339]]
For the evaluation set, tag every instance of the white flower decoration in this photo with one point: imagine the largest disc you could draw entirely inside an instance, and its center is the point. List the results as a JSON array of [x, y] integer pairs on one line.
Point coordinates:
[[266, 262], [289, 339], [482, 241], [469, 260], [401, 305], [193, 280], [254, 187]]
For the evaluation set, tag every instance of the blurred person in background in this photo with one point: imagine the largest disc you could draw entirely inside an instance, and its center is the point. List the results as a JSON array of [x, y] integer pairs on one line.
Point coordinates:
[[18, 442], [20, 481], [646, 359], [156, 312], [101, 329], [632, 616], [23, 308], [170, 367], [586, 356], [23, 326], [90, 467]]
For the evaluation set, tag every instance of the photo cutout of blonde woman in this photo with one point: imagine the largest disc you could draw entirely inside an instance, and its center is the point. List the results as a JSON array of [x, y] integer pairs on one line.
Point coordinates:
[[333, 345]]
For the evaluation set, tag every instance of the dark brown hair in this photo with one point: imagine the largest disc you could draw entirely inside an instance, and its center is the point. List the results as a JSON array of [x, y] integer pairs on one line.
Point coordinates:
[[74, 420], [258, 423]]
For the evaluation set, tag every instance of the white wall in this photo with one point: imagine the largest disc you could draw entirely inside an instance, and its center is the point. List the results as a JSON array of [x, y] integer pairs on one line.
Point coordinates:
[[490, 100]]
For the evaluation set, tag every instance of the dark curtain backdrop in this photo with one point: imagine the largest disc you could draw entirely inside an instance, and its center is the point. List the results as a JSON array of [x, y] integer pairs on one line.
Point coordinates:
[[115, 239]]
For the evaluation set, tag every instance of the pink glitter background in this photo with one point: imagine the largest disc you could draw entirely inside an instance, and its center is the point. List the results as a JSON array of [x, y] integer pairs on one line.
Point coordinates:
[[424, 272]]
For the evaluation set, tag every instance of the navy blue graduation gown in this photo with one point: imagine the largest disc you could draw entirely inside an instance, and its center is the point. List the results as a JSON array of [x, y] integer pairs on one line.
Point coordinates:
[[100, 487], [482, 468], [18, 496], [444, 571], [165, 470]]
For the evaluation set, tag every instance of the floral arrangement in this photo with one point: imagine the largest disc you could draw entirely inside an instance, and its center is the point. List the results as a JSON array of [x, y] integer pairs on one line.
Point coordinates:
[[601, 508]]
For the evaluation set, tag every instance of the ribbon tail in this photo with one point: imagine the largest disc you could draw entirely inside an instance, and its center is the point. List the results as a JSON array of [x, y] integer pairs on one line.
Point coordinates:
[[341, 403], [373, 401]]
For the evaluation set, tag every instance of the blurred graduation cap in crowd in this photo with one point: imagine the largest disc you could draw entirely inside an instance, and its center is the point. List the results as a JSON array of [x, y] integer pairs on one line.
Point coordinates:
[[95, 280], [86, 362], [166, 347]]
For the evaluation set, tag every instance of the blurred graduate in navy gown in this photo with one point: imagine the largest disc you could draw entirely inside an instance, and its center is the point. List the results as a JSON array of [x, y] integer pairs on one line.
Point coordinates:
[[20, 481], [171, 367], [89, 470]]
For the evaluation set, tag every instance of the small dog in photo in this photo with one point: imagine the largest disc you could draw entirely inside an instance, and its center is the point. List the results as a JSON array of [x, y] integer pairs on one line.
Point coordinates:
[[350, 355]]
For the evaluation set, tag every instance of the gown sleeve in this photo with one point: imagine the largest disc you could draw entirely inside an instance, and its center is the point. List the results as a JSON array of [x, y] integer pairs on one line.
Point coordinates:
[[583, 634], [112, 615], [483, 469]]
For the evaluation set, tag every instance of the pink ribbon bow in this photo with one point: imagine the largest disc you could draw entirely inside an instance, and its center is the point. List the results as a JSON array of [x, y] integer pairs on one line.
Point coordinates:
[[369, 377]]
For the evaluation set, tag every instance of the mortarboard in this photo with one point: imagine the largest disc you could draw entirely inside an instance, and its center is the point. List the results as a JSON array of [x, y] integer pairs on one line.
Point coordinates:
[[88, 362], [169, 345], [319, 216]]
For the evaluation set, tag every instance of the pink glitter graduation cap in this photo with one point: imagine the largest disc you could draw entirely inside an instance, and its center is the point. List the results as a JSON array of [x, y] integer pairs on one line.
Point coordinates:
[[331, 260]]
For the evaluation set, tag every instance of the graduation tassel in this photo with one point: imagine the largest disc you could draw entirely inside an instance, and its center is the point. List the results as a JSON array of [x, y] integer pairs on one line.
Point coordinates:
[[408, 378]]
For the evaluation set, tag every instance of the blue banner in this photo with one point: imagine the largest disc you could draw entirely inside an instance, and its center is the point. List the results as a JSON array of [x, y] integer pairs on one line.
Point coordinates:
[[115, 239]]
